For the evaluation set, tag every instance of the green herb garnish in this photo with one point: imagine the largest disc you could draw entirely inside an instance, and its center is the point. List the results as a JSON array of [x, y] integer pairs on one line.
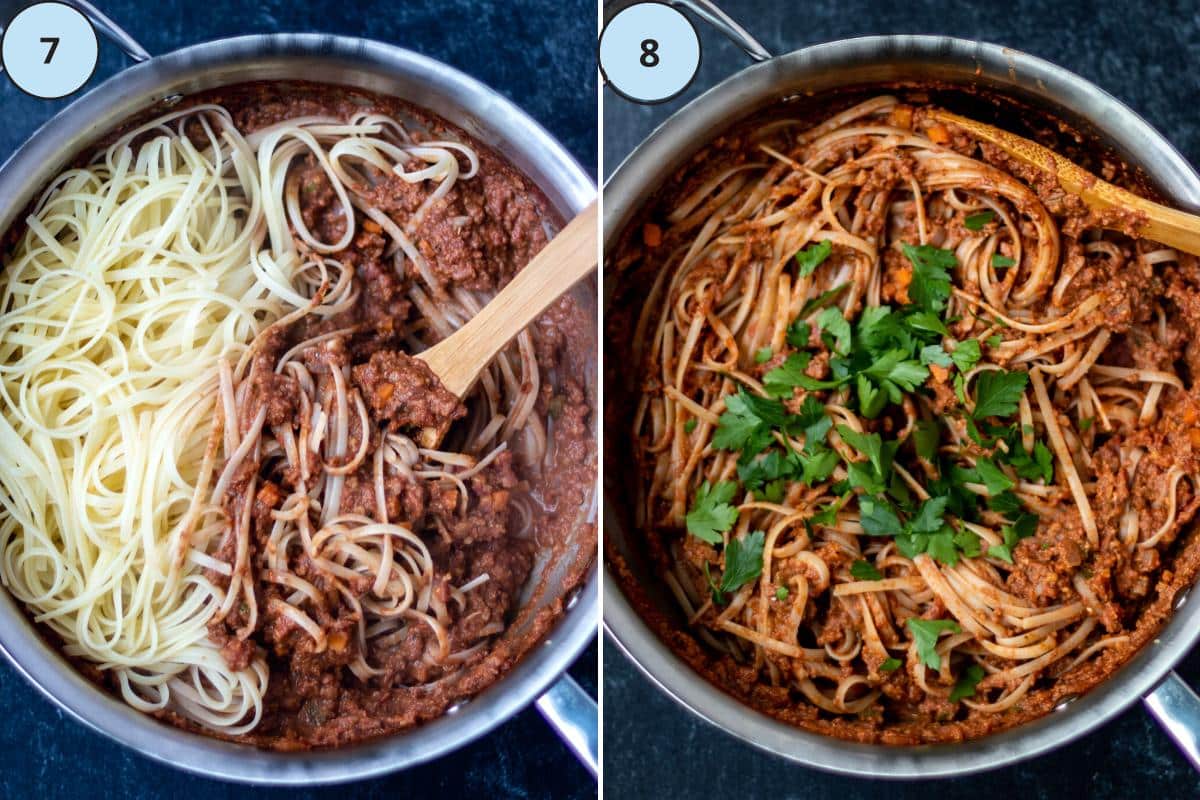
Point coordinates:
[[975, 222], [812, 257], [925, 633], [711, 513], [865, 571]]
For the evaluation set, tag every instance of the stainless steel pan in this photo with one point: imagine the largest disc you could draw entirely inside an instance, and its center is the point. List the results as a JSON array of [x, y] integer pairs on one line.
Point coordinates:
[[857, 62], [485, 115]]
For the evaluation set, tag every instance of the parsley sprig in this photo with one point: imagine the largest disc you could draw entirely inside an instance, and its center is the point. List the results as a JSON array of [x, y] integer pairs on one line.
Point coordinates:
[[871, 363]]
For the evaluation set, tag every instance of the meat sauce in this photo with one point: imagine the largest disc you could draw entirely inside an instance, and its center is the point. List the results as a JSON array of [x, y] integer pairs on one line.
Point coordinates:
[[1137, 592], [476, 237]]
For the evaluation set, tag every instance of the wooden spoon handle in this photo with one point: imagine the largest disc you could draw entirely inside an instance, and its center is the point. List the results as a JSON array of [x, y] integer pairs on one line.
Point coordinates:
[[1167, 225], [458, 359]]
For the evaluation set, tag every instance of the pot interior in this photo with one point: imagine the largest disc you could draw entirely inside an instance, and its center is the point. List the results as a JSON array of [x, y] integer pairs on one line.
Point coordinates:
[[159, 84], [986, 82]]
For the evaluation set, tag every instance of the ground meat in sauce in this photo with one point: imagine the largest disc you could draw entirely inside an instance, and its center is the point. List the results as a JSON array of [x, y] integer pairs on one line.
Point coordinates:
[[1154, 316], [404, 391], [476, 238]]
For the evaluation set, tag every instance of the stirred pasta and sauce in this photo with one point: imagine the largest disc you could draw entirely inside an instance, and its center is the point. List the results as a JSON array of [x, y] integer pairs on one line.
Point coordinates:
[[214, 495], [917, 436]]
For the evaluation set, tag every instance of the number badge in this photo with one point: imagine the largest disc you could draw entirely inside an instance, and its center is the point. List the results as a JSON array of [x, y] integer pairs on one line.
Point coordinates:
[[649, 53], [49, 50]]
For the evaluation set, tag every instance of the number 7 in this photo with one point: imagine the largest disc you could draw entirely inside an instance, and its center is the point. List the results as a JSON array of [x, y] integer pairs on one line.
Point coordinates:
[[53, 42]]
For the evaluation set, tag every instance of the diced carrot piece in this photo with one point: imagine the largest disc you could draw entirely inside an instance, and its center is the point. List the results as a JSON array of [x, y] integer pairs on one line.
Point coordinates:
[[371, 226], [651, 235], [938, 134]]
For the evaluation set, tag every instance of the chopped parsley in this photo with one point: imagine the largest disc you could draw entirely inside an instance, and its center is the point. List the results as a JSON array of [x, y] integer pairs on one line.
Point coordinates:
[[743, 561], [782, 593], [925, 633], [865, 571], [890, 665], [711, 514], [1002, 262], [870, 364], [997, 393], [690, 425], [813, 256], [975, 222], [930, 286], [966, 683], [1023, 527]]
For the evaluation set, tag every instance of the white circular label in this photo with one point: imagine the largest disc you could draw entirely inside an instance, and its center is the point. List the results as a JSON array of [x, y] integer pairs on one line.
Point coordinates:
[[49, 50], [649, 52]]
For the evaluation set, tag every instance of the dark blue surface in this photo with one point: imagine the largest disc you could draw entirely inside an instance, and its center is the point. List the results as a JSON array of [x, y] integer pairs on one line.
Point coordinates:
[[1145, 54], [538, 54]]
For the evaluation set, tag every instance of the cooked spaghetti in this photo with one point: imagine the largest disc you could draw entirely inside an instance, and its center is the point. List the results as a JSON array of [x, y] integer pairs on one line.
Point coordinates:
[[213, 492], [917, 436]]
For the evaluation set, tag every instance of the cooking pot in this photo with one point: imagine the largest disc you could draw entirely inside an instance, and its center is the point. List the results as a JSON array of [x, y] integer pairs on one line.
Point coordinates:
[[839, 65], [484, 114]]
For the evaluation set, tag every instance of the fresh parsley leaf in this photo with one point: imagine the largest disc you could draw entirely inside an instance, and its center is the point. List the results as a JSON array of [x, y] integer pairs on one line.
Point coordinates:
[[746, 422], [890, 665], [993, 477], [812, 256], [711, 513], [813, 420], [715, 590], [877, 518], [871, 399], [690, 425], [960, 388], [1001, 262], [927, 321], [1004, 503], [966, 354], [1000, 551], [925, 438], [828, 514], [781, 593], [925, 633], [975, 222], [1022, 528], [968, 543], [865, 571], [763, 355], [894, 367], [935, 354], [940, 546], [870, 445], [997, 393], [797, 334], [780, 381], [929, 518], [743, 561], [965, 686], [757, 473], [995, 340], [818, 464], [833, 323], [823, 300], [930, 286]]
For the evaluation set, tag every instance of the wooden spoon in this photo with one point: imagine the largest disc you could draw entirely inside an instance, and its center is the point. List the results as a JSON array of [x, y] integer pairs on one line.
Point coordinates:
[[1173, 228], [458, 359]]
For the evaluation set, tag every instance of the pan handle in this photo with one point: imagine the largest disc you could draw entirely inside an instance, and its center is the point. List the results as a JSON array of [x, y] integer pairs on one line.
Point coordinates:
[[573, 714], [714, 16], [104, 24], [100, 21], [1177, 709]]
